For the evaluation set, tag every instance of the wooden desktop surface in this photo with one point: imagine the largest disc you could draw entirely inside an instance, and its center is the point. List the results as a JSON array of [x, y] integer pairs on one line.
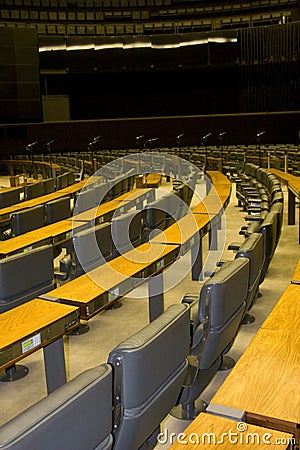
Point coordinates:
[[110, 206], [134, 194], [26, 319], [93, 213], [296, 274], [210, 432], [183, 230], [84, 289], [265, 381], [42, 199], [283, 176], [40, 234], [286, 313]]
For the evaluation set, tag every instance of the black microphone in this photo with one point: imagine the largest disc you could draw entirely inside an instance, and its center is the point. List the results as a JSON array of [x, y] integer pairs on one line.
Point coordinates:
[[180, 136], [48, 145], [138, 138], [206, 137], [29, 146], [261, 133], [220, 135]]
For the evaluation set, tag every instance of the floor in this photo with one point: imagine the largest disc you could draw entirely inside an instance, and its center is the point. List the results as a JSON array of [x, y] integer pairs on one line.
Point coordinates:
[[112, 326]]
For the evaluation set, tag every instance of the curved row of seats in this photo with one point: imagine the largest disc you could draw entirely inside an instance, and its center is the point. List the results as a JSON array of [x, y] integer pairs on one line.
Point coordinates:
[[168, 362]]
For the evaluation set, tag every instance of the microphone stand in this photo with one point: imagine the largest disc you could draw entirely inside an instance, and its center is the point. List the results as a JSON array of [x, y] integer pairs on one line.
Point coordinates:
[[48, 145], [258, 138], [29, 149]]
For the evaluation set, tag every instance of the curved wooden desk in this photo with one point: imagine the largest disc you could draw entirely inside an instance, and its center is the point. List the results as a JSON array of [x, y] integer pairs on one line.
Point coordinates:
[[34, 325]]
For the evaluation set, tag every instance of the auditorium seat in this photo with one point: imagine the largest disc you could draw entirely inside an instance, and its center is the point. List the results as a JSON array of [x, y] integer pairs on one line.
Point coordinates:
[[27, 220], [48, 186], [10, 197], [76, 416], [57, 210], [93, 247], [127, 232], [149, 368], [85, 200], [25, 276], [216, 316], [33, 190]]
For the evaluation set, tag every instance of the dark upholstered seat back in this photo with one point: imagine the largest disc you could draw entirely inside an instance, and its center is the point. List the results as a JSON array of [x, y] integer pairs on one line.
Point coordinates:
[[253, 249], [149, 369], [57, 210], [221, 307], [76, 416], [25, 275], [27, 220]]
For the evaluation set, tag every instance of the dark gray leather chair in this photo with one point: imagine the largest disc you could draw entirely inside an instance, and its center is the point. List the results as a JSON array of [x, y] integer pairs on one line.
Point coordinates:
[[57, 210], [253, 249], [48, 186], [76, 416], [155, 216], [149, 368], [33, 190], [25, 276], [127, 232], [93, 247], [85, 200], [8, 198], [215, 320], [27, 220]]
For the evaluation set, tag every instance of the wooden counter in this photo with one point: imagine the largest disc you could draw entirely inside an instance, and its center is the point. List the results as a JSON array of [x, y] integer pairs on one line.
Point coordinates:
[[213, 432]]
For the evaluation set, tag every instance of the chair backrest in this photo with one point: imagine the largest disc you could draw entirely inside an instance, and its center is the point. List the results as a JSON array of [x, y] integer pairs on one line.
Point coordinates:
[[11, 197], [268, 228], [101, 193], [221, 308], [62, 181], [277, 208], [48, 186], [116, 187], [33, 190], [27, 220], [57, 210], [253, 249], [93, 247], [155, 215], [78, 415], [127, 231], [85, 200], [149, 368], [175, 207], [25, 276]]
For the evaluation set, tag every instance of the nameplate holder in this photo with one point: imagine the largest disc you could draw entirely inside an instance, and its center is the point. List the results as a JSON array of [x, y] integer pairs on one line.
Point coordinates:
[[31, 343]]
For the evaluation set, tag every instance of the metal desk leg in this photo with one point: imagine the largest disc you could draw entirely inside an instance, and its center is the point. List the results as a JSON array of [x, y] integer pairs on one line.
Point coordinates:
[[156, 296], [55, 366], [197, 262], [291, 208], [213, 238]]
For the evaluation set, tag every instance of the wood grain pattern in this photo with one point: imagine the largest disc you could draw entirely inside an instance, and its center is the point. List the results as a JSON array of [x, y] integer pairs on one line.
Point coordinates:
[[106, 277], [221, 433], [183, 229], [35, 236], [265, 381], [26, 319], [296, 274], [283, 176], [286, 313]]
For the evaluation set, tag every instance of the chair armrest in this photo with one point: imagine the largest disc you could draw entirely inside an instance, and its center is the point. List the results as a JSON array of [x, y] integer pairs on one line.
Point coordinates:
[[190, 299], [220, 263], [235, 245], [295, 282]]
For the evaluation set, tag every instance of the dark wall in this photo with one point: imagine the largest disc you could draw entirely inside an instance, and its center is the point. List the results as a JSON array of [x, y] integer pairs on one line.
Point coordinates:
[[19, 76], [121, 133]]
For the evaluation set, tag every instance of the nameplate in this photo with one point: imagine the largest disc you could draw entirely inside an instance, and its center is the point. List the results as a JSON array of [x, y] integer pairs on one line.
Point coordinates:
[[31, 343]]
